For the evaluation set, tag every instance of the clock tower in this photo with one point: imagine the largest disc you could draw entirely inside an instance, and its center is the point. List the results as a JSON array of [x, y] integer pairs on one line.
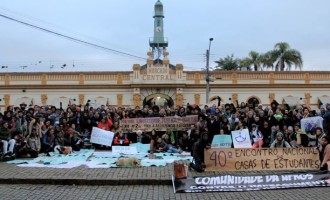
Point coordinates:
[[158, 43]]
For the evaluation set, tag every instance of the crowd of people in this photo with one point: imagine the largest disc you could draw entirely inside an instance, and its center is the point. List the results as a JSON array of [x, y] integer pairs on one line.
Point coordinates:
[[28, 131]]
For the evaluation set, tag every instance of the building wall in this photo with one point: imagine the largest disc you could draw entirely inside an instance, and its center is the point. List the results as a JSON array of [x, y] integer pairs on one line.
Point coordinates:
[[125, 88]]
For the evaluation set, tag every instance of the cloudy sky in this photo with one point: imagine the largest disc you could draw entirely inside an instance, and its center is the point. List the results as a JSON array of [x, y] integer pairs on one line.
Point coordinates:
[[237, 26]]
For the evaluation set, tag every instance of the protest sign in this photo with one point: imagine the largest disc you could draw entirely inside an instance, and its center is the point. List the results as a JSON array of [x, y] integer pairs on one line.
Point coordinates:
[[124, 149], [310, 124], [159, 123], [230, 183], [249, 159], [100, 136], [241, 138], [221, 141]]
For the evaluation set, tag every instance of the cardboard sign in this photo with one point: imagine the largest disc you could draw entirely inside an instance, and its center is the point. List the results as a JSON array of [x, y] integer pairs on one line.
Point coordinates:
[[159, 123], [249, 159], [221, 141], [310, 124], [233, 183], [100, 136], [241, 138], [124, 149]]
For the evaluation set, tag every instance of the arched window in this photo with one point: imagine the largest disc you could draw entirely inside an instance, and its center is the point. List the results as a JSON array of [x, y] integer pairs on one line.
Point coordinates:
[[252, 102]]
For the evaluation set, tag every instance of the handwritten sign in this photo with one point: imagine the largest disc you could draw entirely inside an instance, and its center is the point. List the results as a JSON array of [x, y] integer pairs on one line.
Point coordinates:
[[248, 159], [124, 149], [221, 141], [310, 124], [241, 138], [159, 123], [100, 136]]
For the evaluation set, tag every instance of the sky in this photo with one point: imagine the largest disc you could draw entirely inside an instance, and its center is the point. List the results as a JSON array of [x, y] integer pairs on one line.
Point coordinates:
[[237, 26]]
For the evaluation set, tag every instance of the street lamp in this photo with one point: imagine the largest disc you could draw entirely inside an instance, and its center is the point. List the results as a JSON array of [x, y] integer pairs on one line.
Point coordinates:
[[207, 78]]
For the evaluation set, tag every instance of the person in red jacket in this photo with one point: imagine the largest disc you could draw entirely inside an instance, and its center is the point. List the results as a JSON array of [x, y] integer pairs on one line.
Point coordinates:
[[121, 140], [105, 124]]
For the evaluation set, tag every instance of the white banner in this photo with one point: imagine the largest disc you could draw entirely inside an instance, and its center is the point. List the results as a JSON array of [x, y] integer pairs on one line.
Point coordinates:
[[100, 136], [309, 124], [241, 139], [124, 149]]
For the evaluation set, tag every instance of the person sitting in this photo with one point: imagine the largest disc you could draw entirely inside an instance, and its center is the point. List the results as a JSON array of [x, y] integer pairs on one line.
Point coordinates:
[[48, 141], [140, 138], [33, 143], [279, 142], [8, 143], [256, 137], [324, 150], [160, 145], [184, 142], [20, 145], [121, 140]]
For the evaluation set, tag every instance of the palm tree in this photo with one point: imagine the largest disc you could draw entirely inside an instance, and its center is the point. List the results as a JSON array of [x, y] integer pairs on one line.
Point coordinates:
[[227, 63], [254, 60], [284, 57]]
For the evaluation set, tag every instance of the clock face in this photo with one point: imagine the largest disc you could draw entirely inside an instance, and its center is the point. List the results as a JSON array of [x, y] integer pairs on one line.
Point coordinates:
[[158, 29]]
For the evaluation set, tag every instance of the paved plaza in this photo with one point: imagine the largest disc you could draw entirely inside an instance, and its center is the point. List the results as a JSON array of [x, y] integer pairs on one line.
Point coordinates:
[[121, 183]]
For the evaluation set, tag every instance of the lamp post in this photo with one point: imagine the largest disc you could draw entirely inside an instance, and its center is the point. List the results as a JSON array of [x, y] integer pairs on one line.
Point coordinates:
[[207, 78]]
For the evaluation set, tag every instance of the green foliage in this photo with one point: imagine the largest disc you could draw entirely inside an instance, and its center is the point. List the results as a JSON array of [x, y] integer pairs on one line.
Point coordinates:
[[227, 63]]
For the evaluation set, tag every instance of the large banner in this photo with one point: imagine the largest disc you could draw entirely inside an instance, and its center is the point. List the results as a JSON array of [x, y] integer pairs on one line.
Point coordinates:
[[103, 137], [159, 123], [309, 124], [229, 183], [221, 141], [249, 159], [241, 138]]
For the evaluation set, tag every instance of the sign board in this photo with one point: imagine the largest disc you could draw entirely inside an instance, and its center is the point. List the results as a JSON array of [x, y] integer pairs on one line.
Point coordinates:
[[250, 159], [310, 124], [241, 138], [100, 136], [230, 183], [159, 123], [124, 149], [221, 141]]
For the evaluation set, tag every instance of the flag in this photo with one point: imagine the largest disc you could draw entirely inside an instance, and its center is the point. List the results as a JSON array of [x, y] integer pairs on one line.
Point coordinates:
[[172, 136], [31, 103]]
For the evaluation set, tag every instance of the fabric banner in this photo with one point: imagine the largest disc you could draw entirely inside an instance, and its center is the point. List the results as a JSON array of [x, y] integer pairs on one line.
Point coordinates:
[[229, 183], [159, 123], [221, 141], [241, 138], [249, 159], [100, 136], [309, 124]]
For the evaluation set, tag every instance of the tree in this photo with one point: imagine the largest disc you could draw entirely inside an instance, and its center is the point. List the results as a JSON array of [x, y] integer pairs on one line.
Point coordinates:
[[227, 63], [283, 57], [254, 60]]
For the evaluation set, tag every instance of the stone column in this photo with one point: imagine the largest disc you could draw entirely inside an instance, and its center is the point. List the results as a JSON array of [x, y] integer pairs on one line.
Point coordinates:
[[81, 99], [119, 100], [197, 99], [44, 99], [234, 97], [7, 100]]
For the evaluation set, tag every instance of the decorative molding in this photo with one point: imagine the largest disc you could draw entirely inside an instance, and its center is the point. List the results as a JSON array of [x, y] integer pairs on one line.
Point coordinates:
[[271, 97], [179, 99], [234, 97], [7, 100]]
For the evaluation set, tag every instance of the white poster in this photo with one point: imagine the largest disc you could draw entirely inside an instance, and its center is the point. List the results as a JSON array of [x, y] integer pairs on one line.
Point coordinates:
[[124, 149], [241, 139], [103, 137], [309, 124]]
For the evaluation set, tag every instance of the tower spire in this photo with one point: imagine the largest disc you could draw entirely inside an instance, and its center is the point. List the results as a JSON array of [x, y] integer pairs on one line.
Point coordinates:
[[158, 43]]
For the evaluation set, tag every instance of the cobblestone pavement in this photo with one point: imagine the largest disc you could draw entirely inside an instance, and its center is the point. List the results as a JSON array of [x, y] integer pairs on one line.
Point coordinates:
[[67, 192]]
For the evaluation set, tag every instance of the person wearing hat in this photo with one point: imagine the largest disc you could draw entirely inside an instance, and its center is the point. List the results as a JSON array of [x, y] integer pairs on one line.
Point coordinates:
[[279, 142]]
